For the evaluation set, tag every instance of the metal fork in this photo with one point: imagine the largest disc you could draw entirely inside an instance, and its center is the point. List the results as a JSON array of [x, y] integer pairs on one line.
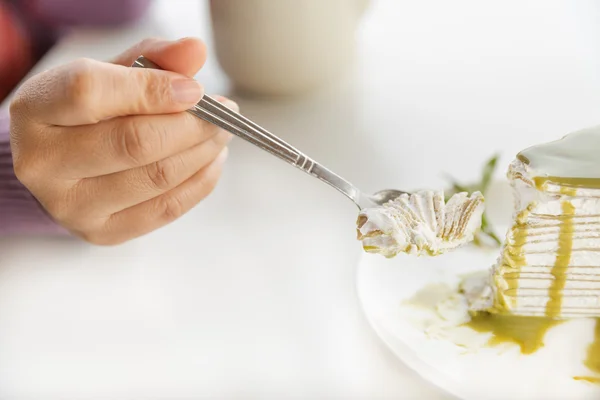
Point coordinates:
[[216, 113]]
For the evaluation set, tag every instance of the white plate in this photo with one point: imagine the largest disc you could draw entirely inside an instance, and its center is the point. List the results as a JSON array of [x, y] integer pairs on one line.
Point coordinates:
[[490, 373]]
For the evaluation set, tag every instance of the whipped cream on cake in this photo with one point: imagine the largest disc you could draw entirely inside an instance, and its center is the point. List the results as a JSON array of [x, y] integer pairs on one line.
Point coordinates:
[[550, 263], [420, 223]]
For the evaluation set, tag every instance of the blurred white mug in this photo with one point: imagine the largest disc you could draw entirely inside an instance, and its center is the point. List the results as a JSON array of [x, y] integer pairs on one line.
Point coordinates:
[[284, 47]]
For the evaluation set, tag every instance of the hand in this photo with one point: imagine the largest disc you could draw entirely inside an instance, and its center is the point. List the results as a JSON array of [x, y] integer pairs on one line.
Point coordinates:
[[109, 150]]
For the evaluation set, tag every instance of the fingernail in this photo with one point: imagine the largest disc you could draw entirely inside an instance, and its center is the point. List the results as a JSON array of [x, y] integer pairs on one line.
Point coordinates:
[[222, 157], [186, 38], [232, 105], [186, 91], [228, 103], [223, 137]]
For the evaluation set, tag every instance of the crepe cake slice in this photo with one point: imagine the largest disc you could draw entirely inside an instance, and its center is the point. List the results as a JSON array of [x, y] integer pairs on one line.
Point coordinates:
[[550, 263]]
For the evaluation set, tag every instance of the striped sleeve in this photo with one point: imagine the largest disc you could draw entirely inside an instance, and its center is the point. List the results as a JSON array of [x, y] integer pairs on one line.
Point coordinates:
[[20, 213]]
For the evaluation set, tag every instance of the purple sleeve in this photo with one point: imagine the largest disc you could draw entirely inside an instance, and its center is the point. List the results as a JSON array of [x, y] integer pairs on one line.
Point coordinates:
[[20, 213], [89, 12]]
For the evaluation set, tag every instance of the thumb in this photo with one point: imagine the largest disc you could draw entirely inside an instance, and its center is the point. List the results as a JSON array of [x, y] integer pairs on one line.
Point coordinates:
[[185, 56], [88, 91]]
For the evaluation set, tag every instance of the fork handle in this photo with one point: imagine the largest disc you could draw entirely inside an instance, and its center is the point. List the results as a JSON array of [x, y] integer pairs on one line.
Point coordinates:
[[214, 112]]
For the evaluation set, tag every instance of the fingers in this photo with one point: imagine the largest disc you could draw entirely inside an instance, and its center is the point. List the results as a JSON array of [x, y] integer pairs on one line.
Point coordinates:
[[87, 91], [109, 194], [119, 144], [150, 215], [185, 56], [124, 143]]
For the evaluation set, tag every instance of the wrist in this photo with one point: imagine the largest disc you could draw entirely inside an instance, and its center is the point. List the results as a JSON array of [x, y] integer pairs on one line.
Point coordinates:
[[20, 212]]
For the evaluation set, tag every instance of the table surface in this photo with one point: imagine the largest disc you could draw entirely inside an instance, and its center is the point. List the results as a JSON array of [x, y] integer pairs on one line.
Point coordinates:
[[252, 294]]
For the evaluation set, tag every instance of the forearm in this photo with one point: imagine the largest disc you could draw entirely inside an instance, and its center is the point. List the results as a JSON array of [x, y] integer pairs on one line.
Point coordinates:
[[20, 213]]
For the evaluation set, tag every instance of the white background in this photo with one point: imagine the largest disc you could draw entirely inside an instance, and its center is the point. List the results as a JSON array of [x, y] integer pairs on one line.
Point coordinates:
[[251, 295]]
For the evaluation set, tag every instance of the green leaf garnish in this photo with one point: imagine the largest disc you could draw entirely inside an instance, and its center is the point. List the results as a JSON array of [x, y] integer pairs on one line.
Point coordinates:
[[488, 173], [486, 234]]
